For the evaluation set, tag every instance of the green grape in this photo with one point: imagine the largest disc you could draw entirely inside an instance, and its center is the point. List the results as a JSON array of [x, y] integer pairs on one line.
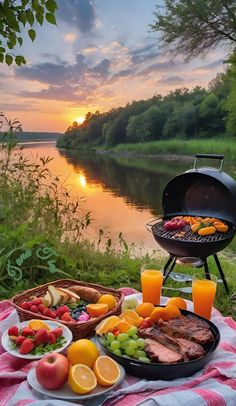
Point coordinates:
[[144, 359], [117, 351], [105, 342], [132, 331], [135, 337], [122, 337], [115, 345], [110, 337], [140, 353], [130, 351], [132, 343], [140, 343], [124, 345]]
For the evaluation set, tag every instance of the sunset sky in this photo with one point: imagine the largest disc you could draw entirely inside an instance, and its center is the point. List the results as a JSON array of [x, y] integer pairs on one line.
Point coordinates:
[[102, 54]]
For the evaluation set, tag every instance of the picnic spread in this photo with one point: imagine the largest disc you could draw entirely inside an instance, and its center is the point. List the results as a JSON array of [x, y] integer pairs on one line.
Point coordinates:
[[125, 339]]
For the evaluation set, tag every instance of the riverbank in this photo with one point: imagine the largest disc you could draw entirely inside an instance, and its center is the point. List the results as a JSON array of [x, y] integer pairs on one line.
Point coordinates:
[[183, 148]]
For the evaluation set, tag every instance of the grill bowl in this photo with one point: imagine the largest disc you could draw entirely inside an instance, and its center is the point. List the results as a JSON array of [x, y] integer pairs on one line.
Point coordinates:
[[191, 245], [168, 372]]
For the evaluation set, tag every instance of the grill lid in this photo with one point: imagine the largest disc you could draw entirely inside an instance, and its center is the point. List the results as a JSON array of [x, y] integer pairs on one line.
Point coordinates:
[[204, 192]]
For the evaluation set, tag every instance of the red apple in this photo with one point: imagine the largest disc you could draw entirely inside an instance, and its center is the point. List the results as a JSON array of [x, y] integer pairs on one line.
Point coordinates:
[[52, 371]]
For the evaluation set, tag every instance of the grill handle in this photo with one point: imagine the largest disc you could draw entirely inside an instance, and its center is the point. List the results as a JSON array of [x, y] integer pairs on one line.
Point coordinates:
[[209, 156], [152, 222]]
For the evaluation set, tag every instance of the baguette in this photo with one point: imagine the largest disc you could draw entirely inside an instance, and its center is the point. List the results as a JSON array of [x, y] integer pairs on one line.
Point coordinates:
[[86, 293]]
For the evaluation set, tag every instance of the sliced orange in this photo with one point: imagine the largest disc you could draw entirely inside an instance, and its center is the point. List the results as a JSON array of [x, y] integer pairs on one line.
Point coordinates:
[[177, 301], [122, 326], [37, 324], [106, 371], [108, 299], [107, 325], [131, 317], [172, 311], [98, 309], [81, 379], [145, 309], [159, 313]]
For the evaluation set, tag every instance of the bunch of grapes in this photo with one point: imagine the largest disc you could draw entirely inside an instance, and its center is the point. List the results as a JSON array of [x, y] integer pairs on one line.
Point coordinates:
[[126, 344]]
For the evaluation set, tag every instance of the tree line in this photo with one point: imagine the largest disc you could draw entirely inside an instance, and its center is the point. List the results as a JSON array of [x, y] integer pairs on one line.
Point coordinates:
[[183, 113]]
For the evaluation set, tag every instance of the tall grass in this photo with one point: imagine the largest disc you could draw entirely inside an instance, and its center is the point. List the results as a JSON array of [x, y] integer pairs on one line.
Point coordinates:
[[223, 145]]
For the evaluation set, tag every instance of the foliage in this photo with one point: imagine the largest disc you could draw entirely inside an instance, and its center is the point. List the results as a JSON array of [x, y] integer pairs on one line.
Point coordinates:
[[18, 16], [183, 113], [194, 27]]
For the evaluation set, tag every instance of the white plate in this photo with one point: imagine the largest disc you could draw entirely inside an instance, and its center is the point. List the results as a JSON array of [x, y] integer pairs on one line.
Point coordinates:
[[66, 393], [7, 343]]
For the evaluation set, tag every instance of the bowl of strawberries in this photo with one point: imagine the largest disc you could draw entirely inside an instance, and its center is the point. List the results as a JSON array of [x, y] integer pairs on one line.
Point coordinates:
[[33, 339]]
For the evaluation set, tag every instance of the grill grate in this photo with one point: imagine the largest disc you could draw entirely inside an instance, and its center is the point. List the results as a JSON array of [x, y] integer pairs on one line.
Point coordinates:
[[186, 234]]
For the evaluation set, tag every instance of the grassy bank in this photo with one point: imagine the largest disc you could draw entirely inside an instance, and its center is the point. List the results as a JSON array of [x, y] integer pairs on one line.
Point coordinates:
[[226, 146]]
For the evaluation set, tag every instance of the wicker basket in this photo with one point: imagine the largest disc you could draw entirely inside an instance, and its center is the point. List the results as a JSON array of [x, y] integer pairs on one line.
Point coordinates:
[[79, 330]]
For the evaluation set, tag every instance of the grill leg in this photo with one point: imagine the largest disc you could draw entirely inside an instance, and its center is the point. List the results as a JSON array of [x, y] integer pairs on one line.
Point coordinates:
[[206, 268], [167, 264], [221, 273], [170, 270]]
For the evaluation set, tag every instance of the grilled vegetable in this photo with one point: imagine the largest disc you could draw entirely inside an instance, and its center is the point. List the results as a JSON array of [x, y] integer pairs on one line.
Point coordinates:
[[196, 227], [207, 230], [220, 226]]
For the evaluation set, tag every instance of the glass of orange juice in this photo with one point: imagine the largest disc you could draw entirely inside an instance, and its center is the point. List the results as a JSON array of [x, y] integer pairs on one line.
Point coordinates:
[[151, 282], [203, 294]]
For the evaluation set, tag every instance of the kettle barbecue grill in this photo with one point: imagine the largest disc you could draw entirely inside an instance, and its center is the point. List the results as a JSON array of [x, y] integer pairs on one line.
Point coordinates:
[[200, 192]]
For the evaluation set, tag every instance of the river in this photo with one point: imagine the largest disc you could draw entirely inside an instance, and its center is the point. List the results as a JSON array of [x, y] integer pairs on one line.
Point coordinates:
[[122, 192]]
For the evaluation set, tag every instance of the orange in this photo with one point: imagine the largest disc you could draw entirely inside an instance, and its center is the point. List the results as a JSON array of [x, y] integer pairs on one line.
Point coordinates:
[[110, 300], [177, 301], [131, 317], [145, 309], [159, 313], [81, 379], [106, 371], [122, 326], [96, 310], [172, 311], [37, 324], [83, 352], [107, 325]]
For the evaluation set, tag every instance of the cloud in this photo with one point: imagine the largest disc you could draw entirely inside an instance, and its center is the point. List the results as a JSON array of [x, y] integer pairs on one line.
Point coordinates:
[[170, 80], [19, 107], [102, 69], [80, 14], [211, 65], [144, 53], [157, 67]]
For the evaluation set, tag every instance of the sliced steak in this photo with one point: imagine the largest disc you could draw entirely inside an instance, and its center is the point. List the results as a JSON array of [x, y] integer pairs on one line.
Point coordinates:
[[190, 349], [188, 327], [159, 353]]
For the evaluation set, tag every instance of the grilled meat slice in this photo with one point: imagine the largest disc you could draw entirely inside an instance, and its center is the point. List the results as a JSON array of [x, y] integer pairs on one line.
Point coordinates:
[[188, 327], [190, 349], [159, 353]]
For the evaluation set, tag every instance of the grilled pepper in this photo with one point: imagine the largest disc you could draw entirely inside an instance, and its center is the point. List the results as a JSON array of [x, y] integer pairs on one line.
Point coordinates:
[[195, 227], [220, 226], [207, 230]]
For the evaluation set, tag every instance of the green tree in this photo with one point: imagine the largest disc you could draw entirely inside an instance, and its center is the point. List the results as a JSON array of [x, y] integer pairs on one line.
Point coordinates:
[[19, 16], [193, 27]]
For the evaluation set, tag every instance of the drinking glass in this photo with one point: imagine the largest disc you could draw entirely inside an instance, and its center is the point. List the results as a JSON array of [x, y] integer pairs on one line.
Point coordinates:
[[151, 282], [203, 294]]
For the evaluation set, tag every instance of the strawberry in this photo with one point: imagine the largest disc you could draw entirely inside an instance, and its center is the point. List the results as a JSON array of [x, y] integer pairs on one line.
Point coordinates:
[[52, 314], [66, 317], [20, 340], [46, 312], [13, 331], [41, 308], [37, 301], [61, 310], [57, 332], [42, 336], [27, 346], [53, 338], [25, 305], [34, 309], [13, 338], [27, 331]]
